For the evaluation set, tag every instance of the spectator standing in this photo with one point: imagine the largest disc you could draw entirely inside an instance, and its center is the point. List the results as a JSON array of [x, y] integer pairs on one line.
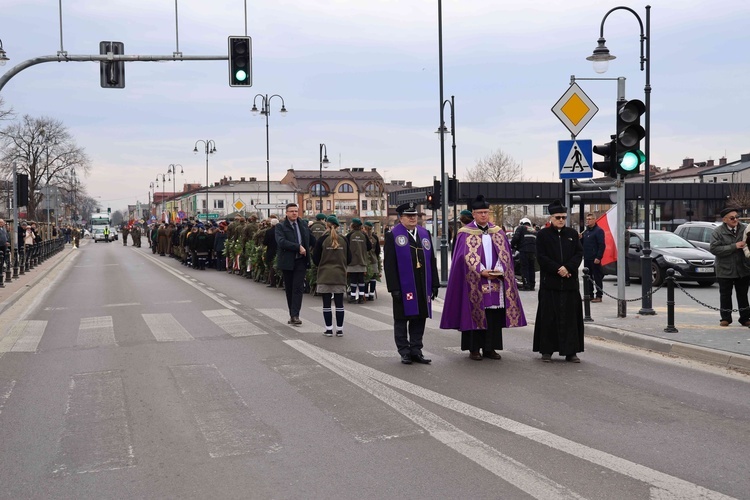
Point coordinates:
[[524, 241], [592, 239], [728, 243]]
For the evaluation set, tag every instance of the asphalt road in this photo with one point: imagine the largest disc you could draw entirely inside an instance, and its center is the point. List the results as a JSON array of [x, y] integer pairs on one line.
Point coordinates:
[[126, 375]]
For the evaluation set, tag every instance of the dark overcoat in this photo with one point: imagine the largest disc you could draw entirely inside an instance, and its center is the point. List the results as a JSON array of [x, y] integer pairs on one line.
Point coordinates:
[[287, 246]]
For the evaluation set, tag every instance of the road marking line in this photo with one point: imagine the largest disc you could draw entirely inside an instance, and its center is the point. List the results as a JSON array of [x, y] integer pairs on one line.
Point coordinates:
[[24, 336], [96, 331], [394, 354], [223, 417], [166, 328], [282, 316], [503, 466], [124, 304], [358, 320], [97, 434], [663, 485], [5, 393], [233, 324], [235, 302]]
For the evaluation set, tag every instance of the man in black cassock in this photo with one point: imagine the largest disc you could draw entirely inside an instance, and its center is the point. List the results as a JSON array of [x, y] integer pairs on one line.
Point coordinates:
[[559, 317]]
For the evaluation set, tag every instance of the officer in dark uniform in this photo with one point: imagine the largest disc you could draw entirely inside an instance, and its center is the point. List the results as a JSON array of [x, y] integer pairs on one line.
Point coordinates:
[[412, 279]]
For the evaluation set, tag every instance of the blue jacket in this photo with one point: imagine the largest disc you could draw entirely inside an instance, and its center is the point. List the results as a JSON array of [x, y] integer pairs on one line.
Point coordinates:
[[593, 243]]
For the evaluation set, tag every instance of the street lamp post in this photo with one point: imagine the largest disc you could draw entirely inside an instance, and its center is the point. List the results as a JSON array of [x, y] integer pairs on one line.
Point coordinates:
[[601, 58], [266, 111], [445, 189], [173, 173], [163, 186], [323, 160], [444, 238], [210, 147], [151, 197]]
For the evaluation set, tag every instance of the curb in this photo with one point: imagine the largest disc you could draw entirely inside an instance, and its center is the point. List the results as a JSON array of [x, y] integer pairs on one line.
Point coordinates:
[[703, 354]]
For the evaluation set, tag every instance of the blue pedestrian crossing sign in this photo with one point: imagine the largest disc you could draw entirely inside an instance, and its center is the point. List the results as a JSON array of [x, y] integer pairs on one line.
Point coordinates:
[[576, 159]]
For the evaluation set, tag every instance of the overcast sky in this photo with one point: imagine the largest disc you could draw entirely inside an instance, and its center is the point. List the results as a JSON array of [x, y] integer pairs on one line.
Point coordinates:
[[362, 77]]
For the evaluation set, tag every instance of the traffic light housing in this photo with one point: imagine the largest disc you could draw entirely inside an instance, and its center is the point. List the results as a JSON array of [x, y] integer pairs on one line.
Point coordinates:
[[240, 61], [22, 190], [430, 201], [629, 135], [112, 73], [608, 151], [436, 194]]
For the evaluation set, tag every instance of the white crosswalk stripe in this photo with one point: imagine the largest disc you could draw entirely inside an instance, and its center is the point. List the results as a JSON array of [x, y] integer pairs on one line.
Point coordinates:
[[233, 324], [24, 336], [166, 328], [358, 320], [96, 331]]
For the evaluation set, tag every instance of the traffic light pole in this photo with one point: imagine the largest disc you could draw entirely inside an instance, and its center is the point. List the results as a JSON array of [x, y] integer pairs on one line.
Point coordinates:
[[5, 78]]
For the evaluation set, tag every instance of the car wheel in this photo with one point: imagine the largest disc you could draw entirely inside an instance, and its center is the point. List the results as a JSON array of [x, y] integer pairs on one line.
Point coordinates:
[[657, 275]]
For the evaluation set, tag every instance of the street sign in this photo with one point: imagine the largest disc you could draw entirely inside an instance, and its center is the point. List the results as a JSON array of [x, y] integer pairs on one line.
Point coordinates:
[[575, 109], [208, 216], [576, 159], [268, 206], [239, 205]]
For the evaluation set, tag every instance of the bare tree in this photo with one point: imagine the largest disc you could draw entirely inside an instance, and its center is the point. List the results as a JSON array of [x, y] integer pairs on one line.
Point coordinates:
[[496, 167], [739, 197], [5, 114], [43, 149]]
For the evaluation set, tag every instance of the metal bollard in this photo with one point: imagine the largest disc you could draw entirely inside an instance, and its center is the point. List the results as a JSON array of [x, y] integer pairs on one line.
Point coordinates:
[[586, 295], [8, 270], [2, 274], [670, 302]]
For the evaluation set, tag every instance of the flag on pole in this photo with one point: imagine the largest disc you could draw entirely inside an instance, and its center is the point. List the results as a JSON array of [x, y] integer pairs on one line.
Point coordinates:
[[608, 223]]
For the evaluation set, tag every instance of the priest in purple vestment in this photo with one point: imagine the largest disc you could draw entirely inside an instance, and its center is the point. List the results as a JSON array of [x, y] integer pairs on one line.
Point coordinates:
[[482, 294]]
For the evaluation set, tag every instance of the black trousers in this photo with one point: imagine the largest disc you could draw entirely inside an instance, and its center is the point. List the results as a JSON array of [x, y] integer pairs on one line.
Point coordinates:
[[294, 285], [597, 275], [528, 268], [408, 334], [740, 286]]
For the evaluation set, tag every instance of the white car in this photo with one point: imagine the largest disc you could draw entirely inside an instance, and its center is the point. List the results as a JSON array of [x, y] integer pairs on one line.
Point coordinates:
[[98, 235]]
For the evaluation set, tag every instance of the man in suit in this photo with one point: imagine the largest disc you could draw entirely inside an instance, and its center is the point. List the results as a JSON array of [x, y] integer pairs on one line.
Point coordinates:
[[293, 242], [412, 278]]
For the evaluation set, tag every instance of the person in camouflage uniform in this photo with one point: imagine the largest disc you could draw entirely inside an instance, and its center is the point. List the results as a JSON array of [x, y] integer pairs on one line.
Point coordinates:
[[374, 266]]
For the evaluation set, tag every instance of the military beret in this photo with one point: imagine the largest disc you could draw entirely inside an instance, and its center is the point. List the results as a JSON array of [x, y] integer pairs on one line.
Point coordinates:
[[356, 221], [466, 213], [321, 216], [369, 224], [332, 219]]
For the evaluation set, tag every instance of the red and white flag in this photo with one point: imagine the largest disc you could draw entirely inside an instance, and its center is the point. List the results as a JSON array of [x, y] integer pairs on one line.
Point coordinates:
[[608, 223]]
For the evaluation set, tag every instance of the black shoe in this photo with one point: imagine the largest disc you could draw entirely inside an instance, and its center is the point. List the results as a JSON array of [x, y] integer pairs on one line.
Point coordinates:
[[492, 354], [328, 333], [296, 321], [352, 300], [572, 358], [418, 358], [339, 333], [547, 358], [406, 359]]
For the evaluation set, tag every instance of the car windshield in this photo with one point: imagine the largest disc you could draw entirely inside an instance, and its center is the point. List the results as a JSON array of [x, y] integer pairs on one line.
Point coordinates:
[[668, 240]]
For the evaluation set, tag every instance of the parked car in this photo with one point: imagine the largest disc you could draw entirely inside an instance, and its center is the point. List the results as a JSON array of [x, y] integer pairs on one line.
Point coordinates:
[[697, 233], [98, 235], [668, 251]]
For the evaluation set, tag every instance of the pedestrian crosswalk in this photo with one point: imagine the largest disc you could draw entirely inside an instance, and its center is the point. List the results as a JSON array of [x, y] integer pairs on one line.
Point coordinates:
[[100, 331]]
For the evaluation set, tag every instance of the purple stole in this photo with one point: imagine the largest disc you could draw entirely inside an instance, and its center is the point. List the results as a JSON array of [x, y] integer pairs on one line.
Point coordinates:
[[403, 244]]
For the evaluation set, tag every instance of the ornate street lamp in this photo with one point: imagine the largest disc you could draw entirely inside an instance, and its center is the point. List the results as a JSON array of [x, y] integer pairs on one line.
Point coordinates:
[[172, 172], [210, 147], [323, 160], [265, 110], [601, 58]]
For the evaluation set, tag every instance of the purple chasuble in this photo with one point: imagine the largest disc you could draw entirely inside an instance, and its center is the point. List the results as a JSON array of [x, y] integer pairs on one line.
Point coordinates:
[[405, 246]]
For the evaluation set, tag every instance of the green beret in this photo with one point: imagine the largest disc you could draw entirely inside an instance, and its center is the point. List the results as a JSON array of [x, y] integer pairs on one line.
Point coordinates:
[[465, 213], [321, 216], [369, 224], [333, 220], [304, 222], [357, 221]]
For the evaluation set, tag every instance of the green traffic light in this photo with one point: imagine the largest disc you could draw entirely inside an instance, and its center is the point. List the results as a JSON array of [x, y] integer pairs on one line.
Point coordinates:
[[240, 75], [631, 160]]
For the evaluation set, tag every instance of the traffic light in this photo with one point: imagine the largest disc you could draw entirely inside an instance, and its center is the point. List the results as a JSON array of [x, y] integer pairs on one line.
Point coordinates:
[[608, 151], [112, 72], [452, 190], [240, 61], [436, 192], [109, 210], [430, 201], [629, 135], [22, 190]]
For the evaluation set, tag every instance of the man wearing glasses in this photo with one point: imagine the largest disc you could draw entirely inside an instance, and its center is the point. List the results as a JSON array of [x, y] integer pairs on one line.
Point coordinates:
[[727, 244], [559, 317]]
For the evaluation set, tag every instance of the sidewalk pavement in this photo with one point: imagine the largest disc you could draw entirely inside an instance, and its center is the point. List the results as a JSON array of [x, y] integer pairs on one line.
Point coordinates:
[[699, 335], [16, 288]]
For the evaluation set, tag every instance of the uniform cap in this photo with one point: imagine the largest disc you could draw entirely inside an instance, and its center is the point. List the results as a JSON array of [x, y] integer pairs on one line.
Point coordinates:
[[321, 216], [332, 219], [407, 209], [727, 211]]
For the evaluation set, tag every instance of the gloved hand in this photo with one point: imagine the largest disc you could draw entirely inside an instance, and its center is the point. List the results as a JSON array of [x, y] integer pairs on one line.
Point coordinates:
[[434, 293], [396, 295]]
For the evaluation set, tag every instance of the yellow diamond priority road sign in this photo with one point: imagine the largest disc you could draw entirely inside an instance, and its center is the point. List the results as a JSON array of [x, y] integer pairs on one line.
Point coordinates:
[[239, 205], [575, 109]]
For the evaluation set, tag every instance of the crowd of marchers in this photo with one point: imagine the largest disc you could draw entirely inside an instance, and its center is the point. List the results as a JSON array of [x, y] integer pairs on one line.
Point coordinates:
[[482, 296]]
